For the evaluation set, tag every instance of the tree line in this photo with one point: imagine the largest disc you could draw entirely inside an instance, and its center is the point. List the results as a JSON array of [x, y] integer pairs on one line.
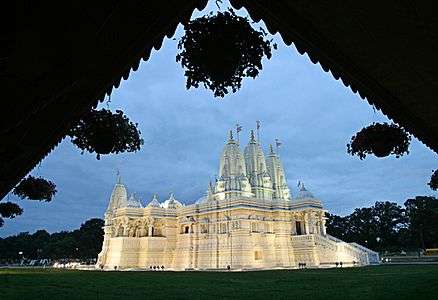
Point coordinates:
[[387, 226], [85, 242]]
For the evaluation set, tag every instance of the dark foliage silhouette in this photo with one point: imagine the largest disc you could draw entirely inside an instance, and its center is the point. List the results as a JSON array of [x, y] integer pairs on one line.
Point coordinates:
[[423, 215], [85, 242], [380, 140], [35, 188], [104, 132], [387, 226], [9, 210], [433, 183], [219, 50]]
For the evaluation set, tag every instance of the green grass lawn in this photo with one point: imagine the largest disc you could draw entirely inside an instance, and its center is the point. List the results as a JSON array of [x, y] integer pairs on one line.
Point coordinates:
[[380, 282]]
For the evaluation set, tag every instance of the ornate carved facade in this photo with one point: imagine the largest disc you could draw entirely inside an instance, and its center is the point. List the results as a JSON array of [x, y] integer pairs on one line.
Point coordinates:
[[247, 220]]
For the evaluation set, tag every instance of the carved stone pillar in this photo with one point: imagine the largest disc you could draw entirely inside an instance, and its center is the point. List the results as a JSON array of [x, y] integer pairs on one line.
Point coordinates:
[[323, 228], [306, 223], [294, 226], [312, 222]]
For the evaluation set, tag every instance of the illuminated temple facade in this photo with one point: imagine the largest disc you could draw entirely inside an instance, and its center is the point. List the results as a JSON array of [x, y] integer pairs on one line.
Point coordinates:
[[248, 219]]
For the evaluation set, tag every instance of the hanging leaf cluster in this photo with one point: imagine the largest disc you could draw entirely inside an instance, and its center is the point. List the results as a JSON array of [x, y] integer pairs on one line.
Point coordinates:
[[380, 140], [9, 210], [433, 183], [104, 132], [219, 50], [35, 188]]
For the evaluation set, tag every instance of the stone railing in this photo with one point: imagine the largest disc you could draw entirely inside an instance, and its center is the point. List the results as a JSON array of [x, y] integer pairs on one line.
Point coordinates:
[[299, 241], [366, 255], [326, 242]]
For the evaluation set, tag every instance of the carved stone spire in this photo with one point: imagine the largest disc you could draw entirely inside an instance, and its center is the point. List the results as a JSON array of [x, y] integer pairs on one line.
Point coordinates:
[[119, 196], [232, 170], [256, 169], [276, 171]]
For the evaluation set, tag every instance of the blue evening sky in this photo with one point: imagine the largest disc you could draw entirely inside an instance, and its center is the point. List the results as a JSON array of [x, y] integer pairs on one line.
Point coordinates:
[[184, 131]]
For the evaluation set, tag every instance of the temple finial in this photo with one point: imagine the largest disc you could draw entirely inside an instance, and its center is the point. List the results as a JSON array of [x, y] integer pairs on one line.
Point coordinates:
[[271, 149]]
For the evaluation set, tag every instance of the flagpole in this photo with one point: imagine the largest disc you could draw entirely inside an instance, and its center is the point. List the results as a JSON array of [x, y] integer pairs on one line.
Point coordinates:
[[238, 129], [258, 131], [277, 146]]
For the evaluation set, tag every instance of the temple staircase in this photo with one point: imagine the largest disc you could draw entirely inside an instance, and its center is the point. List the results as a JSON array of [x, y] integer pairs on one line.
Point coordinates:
[[329, 251]]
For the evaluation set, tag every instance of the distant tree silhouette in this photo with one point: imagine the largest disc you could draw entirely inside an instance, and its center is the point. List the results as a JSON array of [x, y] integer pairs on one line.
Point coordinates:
[[422, 212], [383, 226], [85, 242]]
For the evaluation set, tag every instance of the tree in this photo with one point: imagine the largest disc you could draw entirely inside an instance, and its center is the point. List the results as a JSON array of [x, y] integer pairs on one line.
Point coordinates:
[[90, 238], [389, 219], [362, 227], [378, 227], [422, 212], [85, 242], [337, 226]]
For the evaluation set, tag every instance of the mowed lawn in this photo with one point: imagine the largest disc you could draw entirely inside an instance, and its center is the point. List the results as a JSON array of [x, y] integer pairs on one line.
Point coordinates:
[[379, 282]]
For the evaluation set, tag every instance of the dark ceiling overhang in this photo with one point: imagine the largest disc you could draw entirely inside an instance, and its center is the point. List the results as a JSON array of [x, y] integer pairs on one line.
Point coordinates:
[[62, 57], [384, 50]]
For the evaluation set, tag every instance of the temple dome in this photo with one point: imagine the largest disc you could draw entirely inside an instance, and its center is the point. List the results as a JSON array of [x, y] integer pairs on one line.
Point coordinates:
[[154, 202], [303, 193], [201, 200], [171, 203], [133, 202]]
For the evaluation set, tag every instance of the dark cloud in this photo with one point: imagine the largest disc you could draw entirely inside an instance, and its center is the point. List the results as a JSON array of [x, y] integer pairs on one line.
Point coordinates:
[[184, 132]]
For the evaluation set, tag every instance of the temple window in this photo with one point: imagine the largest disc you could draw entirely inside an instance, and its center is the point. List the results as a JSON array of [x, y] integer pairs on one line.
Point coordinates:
[[258, 255], [254, 227], [223, 228], [298, 228], [186, 229]]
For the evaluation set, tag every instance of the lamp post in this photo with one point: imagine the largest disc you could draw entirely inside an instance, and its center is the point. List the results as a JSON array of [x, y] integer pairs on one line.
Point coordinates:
[[22, 256]]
